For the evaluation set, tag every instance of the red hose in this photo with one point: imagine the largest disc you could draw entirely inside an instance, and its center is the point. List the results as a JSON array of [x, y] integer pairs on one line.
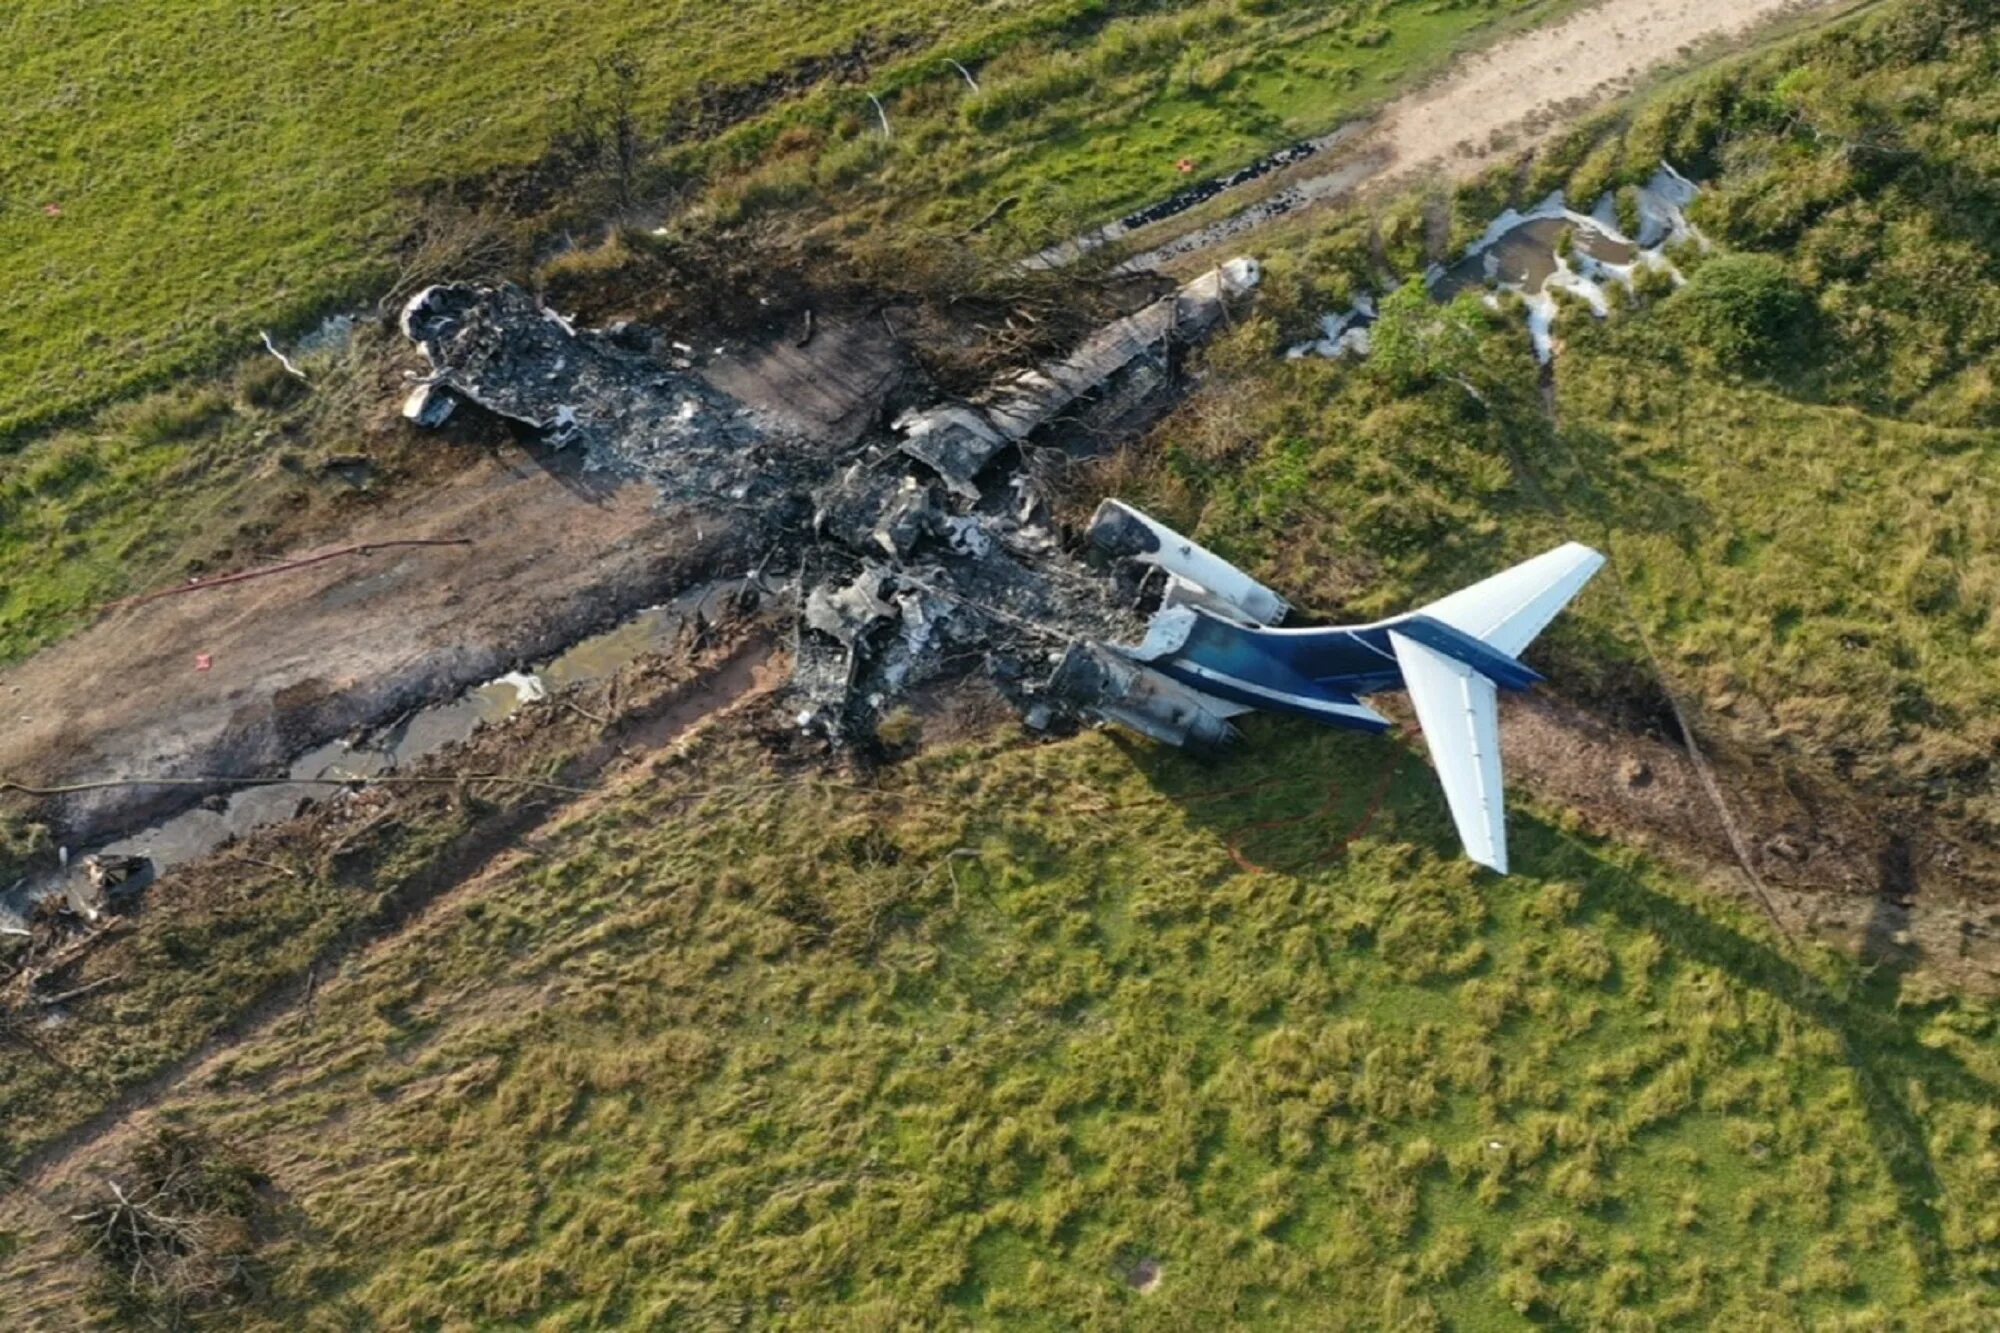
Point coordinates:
[[220, 580]]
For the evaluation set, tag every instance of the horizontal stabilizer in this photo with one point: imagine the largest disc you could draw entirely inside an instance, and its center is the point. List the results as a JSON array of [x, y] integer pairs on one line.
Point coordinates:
[[1459, 712], [1511, 608]]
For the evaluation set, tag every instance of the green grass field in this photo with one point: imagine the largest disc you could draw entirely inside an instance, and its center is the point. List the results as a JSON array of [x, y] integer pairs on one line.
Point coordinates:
[[968, 1052], [172, 483]]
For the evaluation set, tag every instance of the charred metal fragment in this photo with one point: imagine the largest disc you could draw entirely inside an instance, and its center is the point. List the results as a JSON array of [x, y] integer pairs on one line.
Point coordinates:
[[588, 389], [1100, 681]]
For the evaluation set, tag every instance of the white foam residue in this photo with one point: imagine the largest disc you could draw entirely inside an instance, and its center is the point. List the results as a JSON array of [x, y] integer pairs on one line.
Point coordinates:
[[1339, 334], [1567, 279], [1541, 322], [1662, 203], [1604, 213]]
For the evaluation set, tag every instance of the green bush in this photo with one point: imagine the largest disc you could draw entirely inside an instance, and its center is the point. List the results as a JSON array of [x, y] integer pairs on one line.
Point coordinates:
[[1629, 220], [1415, 341], [172, 417], [264, 383], [1652, 283], [23, 844], [1745, 311]]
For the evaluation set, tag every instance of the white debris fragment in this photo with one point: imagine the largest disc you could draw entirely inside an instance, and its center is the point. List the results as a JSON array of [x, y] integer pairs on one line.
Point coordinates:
[[966, 535], [334, 333], [1541, 324], [429, 405], [528, 688], [291, 367]]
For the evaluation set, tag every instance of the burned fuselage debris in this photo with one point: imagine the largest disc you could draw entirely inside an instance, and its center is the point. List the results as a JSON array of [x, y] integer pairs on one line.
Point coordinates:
[[923, 554], [606, 393], [1116, 368]]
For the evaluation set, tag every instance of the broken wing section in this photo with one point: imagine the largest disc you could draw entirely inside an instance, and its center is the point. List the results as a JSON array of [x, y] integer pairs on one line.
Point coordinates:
[[1197, 576], [1508, 610], [1459, 711]]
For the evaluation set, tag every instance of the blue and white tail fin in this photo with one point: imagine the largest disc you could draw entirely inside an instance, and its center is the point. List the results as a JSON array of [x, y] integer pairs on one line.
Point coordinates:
[[1457, 704], [1508, 610]]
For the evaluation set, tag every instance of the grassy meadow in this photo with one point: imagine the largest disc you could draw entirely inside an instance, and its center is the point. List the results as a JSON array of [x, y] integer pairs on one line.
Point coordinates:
[[150, 491], [1033, 1025]]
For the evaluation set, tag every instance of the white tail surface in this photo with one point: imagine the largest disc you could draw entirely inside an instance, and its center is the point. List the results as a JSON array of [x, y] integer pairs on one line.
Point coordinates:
[[1458, 707], [1511, 608], [1459, 711]]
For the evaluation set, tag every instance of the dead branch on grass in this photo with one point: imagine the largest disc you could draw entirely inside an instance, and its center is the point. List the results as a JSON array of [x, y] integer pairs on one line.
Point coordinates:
[[172, 1237], [449, 240]]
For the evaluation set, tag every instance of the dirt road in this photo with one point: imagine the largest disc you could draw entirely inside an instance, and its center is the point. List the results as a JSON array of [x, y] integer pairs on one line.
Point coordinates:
[[1494, 103], [236, 679]]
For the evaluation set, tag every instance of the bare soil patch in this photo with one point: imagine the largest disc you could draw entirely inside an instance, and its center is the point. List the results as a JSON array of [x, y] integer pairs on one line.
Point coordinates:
[[1886, 882]]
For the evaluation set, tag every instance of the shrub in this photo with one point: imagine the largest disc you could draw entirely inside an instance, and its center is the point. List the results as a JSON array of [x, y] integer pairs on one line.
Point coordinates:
[[23, 844], [1652, 282], [172, 1232], [265, 383], [1416, 341], [170, 417], [1745, 311], [1629, 219]]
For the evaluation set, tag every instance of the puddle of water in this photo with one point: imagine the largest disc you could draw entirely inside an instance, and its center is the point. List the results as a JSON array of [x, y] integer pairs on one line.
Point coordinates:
[[1519, 253], [1523, 258], [197, 832]]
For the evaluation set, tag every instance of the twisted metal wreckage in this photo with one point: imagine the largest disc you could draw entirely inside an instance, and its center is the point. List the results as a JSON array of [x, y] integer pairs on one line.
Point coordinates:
[[931, 549]]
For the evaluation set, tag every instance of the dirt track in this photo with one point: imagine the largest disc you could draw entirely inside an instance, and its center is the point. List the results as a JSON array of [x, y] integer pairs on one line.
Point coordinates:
[[1494, 103], [298, 657]]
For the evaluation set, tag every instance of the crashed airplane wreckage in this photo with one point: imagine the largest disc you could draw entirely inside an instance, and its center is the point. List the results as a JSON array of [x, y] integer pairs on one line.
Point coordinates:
[[1212, 652], [931, 552]]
